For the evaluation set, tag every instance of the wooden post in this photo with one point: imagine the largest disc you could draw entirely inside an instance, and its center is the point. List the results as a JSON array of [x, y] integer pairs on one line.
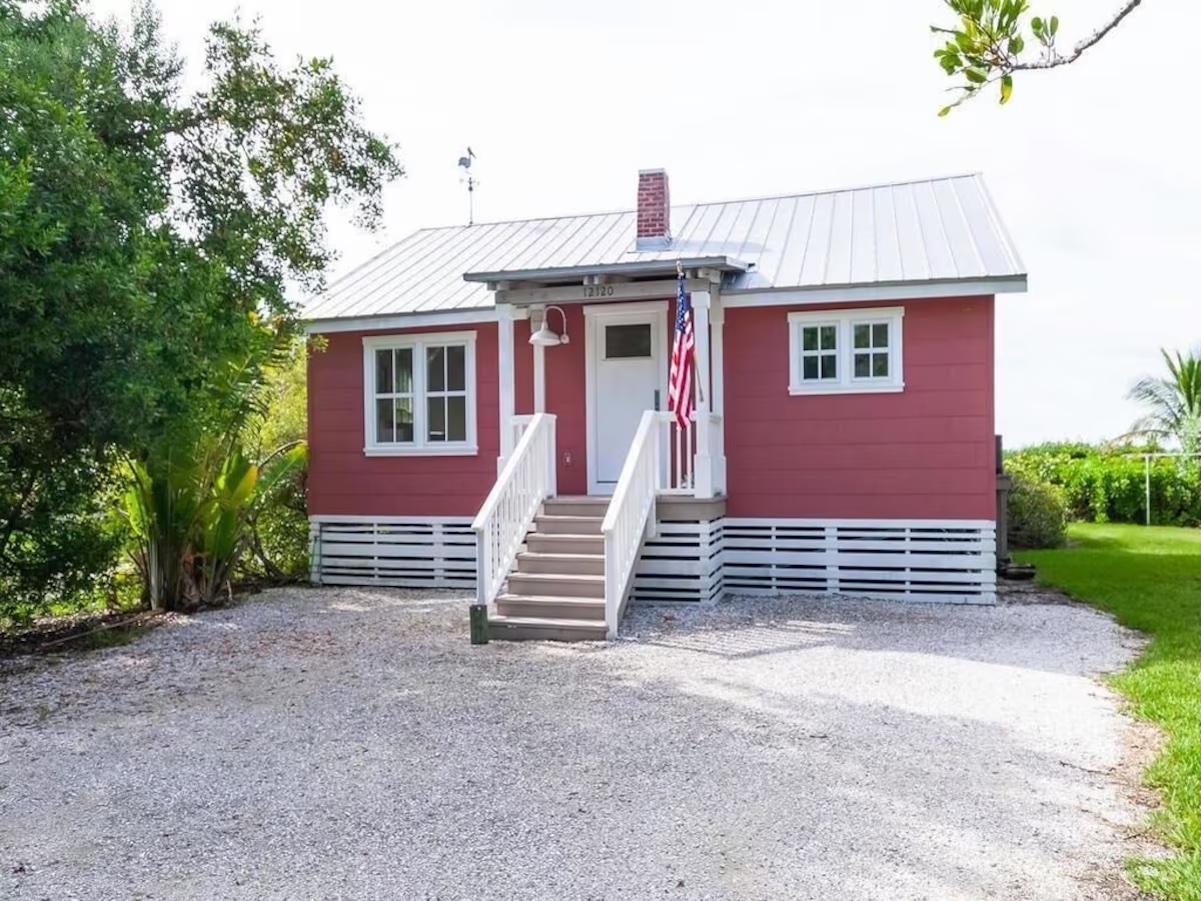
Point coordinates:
[[479, 624], [702, 473], [539, 362], [1147, 483], [507, 382]]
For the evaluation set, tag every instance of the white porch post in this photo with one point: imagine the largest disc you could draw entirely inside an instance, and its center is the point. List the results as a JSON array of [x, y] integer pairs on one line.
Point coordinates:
[[717, 400], [537, 317], [507, 382], [702, 471]]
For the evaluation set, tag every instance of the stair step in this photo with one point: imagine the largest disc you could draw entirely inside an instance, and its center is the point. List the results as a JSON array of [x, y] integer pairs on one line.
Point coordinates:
[[540, 543], [569, 525], [545, 607], [557, 585], [576, 506], [540, 628], [561, 564]]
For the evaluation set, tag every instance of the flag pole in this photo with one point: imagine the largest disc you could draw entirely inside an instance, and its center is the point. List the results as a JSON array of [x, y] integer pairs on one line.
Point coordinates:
[[696, 375]]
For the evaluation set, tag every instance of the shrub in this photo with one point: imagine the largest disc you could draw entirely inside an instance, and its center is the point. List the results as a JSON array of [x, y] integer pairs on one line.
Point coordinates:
[[1037, 514], [1105, 484]]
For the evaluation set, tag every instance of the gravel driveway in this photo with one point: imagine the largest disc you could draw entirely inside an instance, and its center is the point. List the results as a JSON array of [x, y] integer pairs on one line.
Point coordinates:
[[351, 744]]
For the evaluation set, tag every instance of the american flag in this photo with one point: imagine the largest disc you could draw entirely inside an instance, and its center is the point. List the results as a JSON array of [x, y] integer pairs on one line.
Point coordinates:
[[679, 391]]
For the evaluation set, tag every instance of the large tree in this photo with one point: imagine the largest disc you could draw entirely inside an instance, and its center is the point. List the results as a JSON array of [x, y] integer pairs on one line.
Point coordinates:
[[991, 40], [149, 240]]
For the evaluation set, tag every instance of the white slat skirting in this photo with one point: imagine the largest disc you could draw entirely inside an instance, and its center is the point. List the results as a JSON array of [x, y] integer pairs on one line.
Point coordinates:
[[939, 561], [401, 552], [682, 563], [948, 561]]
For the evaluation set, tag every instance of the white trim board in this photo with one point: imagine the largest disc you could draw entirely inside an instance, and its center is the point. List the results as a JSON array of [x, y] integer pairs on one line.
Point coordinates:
[[401, 321], [858, 293], [654, 311]]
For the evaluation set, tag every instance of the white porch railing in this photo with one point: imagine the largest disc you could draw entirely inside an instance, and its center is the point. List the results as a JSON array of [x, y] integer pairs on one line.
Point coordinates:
[[527, 479], [517, 427], [680, 474], [631, 516]]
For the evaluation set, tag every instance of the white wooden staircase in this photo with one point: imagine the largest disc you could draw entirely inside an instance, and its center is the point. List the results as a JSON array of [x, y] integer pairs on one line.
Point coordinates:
[[556, 590], [561, 568]]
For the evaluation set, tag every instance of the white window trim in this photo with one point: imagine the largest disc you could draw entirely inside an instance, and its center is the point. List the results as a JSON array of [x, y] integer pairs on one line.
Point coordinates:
[[421, 446], [846, 382]]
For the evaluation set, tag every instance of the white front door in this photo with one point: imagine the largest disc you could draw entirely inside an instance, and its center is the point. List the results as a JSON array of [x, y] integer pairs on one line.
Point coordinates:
[[627, 362]]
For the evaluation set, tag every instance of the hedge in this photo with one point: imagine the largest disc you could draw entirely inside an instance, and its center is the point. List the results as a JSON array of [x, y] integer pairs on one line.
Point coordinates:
[[1103, 484]]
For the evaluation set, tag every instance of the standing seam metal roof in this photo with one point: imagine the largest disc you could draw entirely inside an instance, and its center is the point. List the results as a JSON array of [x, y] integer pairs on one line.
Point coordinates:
[[941, 229]]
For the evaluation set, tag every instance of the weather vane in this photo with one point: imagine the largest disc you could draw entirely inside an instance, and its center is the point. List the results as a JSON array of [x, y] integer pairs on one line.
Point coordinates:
[[465, 164]]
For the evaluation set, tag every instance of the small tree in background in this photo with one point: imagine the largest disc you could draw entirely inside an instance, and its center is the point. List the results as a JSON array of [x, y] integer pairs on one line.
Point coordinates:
[[1173, 403], [993, 39]]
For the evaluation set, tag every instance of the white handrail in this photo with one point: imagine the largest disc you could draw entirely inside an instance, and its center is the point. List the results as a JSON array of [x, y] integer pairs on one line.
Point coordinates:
[[527, 479], [631, 517]]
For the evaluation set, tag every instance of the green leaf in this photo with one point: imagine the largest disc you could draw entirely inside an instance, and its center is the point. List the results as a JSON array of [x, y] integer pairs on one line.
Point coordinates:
[[1006, 88], [942, 112], [976, 76], [1037, 24], [1016, 45], [1054, 24]]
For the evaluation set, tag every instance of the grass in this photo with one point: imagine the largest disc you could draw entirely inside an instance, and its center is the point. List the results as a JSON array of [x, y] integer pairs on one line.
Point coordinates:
[[1150, 579]]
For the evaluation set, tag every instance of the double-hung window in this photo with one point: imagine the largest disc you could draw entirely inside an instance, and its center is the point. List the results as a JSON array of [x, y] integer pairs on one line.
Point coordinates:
[[845, 352], [420, 394]]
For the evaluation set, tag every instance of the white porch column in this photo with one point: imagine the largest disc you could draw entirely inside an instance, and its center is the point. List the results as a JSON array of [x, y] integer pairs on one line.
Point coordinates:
[[702, 471], [717, 401], [537, 317], [507, 381]]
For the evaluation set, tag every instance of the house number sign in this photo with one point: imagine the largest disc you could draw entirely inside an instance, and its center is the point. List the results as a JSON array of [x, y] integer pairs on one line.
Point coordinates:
[[591, 291]]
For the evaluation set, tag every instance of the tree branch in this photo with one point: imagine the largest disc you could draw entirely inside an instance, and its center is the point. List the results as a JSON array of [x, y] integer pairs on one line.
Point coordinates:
[[1078, 51]]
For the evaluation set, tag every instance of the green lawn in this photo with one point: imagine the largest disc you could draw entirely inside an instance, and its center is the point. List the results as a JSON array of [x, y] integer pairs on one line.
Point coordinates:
[[1150, 579]]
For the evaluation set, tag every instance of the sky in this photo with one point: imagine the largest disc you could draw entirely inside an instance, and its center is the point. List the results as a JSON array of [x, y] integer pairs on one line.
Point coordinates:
[[1094, 166]]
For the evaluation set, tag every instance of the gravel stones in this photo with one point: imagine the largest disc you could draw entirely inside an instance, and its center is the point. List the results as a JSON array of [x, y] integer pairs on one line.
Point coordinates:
[[351, 743]]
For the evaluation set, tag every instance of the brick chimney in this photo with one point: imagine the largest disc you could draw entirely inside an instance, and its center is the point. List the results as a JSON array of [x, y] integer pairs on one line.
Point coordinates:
[[654, 210]]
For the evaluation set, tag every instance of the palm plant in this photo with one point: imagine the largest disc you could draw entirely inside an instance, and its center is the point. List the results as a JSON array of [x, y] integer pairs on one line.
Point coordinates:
[[1173, 404], [193, 496]]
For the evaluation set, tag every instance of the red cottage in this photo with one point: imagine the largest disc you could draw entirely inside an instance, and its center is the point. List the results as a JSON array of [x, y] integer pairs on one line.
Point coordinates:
[[490, 409]]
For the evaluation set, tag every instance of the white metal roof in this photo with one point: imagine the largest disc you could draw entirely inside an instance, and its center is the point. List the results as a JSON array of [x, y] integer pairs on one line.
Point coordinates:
[[932, 230]]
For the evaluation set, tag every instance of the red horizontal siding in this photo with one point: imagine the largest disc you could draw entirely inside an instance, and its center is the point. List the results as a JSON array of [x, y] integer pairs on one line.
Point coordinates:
[[924, 453], [344, 481]]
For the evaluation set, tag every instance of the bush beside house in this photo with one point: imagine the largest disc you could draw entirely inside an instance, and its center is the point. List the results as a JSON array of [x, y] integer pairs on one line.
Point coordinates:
[[1037, 514]]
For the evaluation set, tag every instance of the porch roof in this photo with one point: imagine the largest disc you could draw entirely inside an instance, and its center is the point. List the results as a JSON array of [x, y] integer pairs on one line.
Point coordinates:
[[634, 268], [934, 231]]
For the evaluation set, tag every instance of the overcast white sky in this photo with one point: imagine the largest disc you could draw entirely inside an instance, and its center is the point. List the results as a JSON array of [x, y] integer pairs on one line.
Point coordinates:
[[1094, 167]]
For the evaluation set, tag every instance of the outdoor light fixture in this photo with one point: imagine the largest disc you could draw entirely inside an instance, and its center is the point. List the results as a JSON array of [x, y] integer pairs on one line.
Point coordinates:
[[544, 337]]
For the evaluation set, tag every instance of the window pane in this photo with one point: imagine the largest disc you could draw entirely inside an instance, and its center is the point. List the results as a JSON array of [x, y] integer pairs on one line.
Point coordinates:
[[862, 336], [437, 418], [809, 337], [456, 368], [829, 366], [880, 334], [436, 368], [863, 366], [625, 342], [404, 420], [880, 366], [384, 423], [404, 370], [456, 419], [383, 371], [828, 339], [809, 368]]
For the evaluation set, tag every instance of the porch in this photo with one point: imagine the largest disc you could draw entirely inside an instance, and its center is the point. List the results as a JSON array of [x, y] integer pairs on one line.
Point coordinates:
[[553, 566]]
